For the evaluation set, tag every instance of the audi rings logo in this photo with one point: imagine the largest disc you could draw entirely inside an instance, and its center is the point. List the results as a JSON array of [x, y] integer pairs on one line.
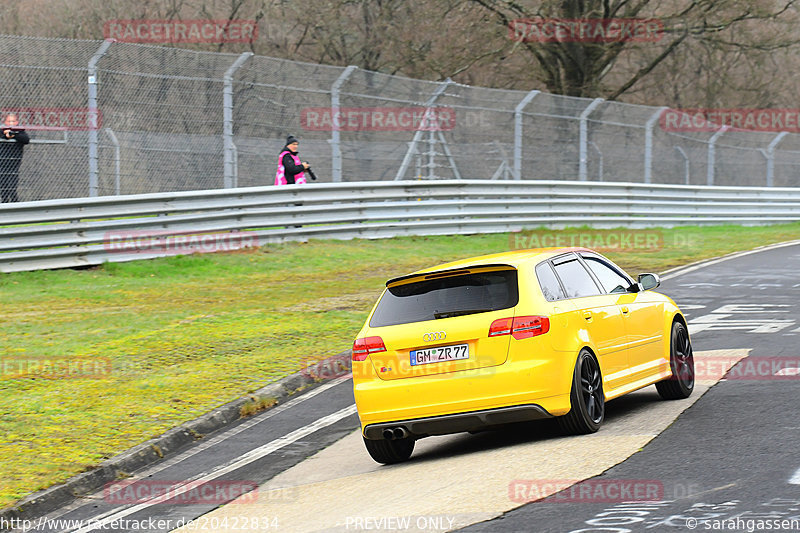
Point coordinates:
[[434, 336]]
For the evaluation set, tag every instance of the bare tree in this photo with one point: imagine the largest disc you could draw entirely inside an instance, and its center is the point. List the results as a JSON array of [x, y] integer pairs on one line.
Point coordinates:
[[611, 69], [710, 52]]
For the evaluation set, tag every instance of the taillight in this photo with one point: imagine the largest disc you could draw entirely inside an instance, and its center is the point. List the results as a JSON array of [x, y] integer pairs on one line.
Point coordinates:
[[363, 347], [529, 326], [501, 326], [520, 327]]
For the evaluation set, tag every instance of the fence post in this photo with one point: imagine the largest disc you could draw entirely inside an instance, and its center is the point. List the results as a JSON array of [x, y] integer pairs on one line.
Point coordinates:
[[518, 133], [648, 144], [229, 161], [584, 140], [600, 163], [712, 154], [336, 149], [94, 115], [686, 168], [771, 157], [115, 142]]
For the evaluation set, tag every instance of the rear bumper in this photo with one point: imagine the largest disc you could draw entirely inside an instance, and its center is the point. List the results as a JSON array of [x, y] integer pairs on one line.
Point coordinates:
[[460, 422], [542, 382]]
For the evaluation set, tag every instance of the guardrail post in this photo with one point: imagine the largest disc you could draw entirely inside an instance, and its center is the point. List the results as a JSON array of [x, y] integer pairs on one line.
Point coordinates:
[[712, 153], [229, 157], [94, 116], [584, 138], [336, 149], [648, 144], [518, 133], [770, 155], [115, 141]]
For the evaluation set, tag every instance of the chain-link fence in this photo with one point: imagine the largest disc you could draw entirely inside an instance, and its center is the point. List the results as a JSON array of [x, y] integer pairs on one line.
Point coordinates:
[[110, 118]]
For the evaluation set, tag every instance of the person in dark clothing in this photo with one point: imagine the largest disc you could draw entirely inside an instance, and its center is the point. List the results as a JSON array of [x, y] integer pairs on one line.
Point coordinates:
[[291, 170], [12, 142]]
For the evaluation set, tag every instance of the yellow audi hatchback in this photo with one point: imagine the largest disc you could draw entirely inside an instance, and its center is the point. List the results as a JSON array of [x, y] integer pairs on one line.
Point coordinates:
[[512, 337]]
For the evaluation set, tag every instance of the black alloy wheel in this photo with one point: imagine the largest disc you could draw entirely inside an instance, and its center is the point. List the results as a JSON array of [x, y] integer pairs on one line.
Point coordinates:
[[681, 362], [586, 397]]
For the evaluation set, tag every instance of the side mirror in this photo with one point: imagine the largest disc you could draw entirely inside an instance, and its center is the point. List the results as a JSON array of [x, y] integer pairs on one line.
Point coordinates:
[[649, 281]]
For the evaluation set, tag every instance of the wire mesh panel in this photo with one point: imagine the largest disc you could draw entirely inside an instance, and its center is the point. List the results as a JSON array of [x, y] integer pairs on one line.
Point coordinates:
[[43, 81], [551, 131], [740, 158], [271, 100], [786, 162], [384, 129], [483, 137], [170, 119], [164, 106], [679, 158], [617, 142]]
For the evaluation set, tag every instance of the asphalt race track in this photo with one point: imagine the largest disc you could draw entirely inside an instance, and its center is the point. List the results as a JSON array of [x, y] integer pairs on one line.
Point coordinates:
[[724, 459]]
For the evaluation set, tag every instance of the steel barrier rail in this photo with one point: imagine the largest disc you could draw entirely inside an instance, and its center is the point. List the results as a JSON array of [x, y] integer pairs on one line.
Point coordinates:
[[90, 231]]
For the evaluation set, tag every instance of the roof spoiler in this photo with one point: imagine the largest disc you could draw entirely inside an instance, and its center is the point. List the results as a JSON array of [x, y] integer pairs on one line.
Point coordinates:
[[450, 272]]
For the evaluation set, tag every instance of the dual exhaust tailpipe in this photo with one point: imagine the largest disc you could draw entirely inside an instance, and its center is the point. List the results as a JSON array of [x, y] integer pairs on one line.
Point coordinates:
[[395, 433]]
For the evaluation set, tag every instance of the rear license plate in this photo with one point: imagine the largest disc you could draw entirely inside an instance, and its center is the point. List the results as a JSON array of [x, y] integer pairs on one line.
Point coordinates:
[[439, 354]]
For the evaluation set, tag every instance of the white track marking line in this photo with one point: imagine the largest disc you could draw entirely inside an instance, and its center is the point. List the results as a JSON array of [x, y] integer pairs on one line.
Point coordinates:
[[247, 425], [795, 479], [205, 445], [249, 457]]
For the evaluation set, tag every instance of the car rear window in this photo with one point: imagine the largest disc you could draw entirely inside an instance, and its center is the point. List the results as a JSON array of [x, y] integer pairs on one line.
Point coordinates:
[[444, 297], [551, 288]]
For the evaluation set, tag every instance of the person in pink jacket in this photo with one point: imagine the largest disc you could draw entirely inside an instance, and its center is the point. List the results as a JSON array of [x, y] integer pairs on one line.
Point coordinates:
[[290, 169]]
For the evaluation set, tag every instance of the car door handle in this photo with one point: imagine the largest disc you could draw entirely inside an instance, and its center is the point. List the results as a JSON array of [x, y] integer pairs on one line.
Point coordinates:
[[625, 310], [587, 315]]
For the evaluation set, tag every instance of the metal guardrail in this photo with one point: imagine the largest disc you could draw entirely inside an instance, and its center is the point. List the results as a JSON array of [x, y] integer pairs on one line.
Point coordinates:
[[89, 231]]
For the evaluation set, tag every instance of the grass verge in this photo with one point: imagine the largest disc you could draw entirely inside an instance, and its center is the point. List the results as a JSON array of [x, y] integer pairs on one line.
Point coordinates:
[[163, 341]]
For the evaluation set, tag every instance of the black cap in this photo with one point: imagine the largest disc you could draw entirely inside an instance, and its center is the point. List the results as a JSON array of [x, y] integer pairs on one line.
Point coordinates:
[[291, 139]]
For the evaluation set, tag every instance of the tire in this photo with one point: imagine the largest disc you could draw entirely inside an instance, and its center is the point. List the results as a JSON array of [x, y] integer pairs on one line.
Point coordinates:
[[586, 397], [681, 362], [390, 451]]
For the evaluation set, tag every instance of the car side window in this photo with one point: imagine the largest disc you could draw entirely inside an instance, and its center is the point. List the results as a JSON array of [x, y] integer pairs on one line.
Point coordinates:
[[611, 280], [551, 288], [576, 279]]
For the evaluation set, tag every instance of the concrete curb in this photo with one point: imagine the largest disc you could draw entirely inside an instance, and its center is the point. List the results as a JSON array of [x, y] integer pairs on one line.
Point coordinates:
[[166, 445]]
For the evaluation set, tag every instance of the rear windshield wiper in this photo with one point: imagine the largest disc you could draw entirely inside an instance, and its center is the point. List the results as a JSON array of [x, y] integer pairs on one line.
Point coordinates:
[[459, 312]]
